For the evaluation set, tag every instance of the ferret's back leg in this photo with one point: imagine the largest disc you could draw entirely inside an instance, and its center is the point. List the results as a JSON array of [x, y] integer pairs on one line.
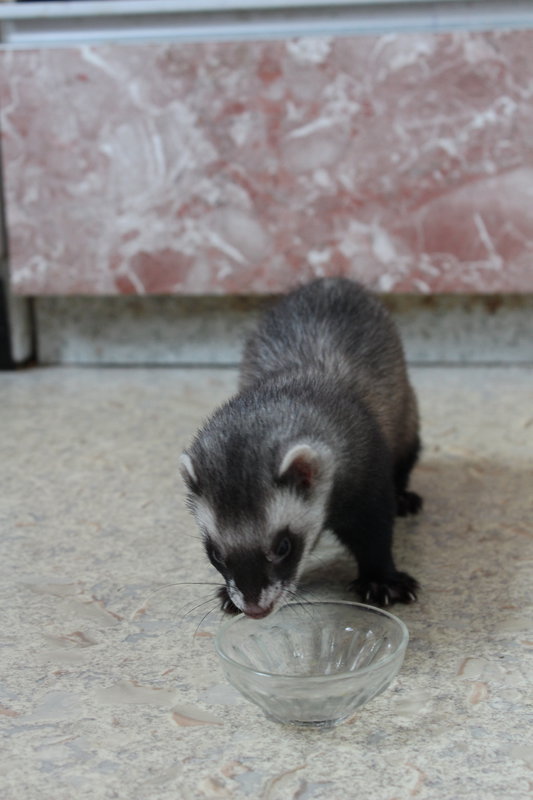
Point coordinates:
[[407, 502]]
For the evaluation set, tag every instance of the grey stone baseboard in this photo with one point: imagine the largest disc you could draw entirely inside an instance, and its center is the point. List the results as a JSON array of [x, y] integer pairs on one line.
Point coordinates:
[[445, 329]]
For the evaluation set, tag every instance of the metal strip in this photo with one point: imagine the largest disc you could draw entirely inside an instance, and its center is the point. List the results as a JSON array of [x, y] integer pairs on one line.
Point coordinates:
[[108, 8], [77, 23]]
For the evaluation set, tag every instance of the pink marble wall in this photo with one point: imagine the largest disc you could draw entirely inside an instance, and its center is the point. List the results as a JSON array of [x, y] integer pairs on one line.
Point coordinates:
[[245, 167]]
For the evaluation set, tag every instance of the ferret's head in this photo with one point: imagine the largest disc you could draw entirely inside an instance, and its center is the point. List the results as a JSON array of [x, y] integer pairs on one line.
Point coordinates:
[[259, 514]]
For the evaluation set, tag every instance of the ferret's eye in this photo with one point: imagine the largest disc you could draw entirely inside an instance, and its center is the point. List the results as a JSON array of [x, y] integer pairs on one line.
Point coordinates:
[[283, 549], [215, 556]]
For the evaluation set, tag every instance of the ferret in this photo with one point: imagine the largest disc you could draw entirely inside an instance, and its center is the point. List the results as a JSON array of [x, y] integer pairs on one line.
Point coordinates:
[[322, 434]]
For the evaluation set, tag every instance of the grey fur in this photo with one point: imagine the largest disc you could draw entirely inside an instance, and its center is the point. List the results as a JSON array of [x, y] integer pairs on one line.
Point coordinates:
[[338, 329]]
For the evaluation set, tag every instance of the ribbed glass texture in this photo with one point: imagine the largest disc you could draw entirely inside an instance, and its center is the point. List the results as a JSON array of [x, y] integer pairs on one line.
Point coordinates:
[[313, 663]]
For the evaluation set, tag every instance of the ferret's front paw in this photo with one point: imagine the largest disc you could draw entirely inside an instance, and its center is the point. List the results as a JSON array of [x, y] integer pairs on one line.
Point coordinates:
[[226, 604], [399, 587]]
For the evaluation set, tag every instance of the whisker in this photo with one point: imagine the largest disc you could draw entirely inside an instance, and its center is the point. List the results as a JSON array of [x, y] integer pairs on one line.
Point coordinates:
[[181, 613], [318, 558], [198, 605], [170, 586], [203, 618], [306, 592], [300, 603]]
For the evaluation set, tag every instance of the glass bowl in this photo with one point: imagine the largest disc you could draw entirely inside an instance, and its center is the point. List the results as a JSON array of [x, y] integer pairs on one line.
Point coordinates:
[[313, 664]]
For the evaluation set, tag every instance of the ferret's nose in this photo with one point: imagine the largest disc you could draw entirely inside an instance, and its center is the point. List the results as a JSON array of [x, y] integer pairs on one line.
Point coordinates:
[[256, 612]]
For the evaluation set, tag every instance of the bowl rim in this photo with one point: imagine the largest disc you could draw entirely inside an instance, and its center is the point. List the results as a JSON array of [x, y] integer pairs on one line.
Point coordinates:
[[317, 678]]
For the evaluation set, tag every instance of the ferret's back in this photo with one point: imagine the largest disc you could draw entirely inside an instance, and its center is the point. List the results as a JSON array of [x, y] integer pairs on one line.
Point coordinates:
[[336, 326], [331, 323]]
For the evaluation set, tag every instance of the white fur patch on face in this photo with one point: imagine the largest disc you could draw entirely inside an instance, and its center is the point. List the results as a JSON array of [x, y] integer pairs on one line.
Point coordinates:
[[305, 517], [270, 594], [235, 594], [204, 518]]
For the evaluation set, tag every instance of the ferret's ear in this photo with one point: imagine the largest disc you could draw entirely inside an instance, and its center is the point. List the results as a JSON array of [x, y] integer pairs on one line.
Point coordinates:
[[305, 467], [188, 474]]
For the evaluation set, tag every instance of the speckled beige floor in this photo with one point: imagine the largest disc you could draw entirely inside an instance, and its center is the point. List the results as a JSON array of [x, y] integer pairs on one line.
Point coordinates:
[[108, 690]]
